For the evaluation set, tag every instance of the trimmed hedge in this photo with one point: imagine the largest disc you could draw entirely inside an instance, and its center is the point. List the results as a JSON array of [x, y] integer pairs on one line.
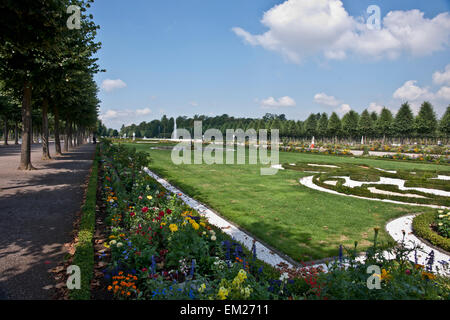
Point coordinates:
[[84, 250], [421, 227]]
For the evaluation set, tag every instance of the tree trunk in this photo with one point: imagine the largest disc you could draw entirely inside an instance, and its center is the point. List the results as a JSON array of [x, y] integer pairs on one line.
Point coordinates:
[[69, 136], [45, 146], [25, 152], [66, 137], [16, 133], [6, 131], [57, 139]]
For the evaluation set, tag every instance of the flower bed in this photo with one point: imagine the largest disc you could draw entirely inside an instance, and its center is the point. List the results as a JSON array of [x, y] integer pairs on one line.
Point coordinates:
[[161, 249], [427, 227]]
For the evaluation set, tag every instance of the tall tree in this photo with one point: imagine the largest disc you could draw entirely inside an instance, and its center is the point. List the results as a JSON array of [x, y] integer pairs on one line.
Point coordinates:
[[384, 123], [322, 126], [334, 126], [365, 125], [350, 124], [444, 124], [311, 126], [425, 123], [30, 30], [404, 122]]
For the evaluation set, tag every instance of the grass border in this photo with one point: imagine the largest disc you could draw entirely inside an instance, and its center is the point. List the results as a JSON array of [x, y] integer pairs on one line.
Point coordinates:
[[84, 249], [421, 227]]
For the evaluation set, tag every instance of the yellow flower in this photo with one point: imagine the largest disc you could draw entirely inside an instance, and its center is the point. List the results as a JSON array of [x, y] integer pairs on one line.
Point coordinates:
[[173, 227], [163, 223], [385, 275], [223, 293], [428, 275], [202, 224], [149, 197], [242, 274], [202, 288], [195, 225]]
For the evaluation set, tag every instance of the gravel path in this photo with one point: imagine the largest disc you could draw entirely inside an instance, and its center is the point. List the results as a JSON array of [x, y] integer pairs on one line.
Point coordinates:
[[37, 211]]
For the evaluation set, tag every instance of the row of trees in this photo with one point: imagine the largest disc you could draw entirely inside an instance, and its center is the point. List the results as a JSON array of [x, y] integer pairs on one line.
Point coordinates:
[[352, 126], [47, 66]]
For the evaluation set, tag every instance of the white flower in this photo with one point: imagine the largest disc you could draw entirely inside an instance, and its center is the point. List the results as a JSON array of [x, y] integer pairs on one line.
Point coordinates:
[[112, 242], [119, 244], [284, 276], [213, 238]]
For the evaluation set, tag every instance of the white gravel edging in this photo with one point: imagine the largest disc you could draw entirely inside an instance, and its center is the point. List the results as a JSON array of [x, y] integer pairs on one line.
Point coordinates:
[[395, 229], [262, 252]]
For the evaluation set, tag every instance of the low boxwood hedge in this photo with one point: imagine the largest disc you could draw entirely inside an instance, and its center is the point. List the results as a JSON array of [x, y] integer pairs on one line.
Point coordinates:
[[421, 228]]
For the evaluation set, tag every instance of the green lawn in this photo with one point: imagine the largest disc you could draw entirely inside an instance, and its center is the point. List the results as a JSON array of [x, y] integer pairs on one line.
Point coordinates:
[[303, 223]]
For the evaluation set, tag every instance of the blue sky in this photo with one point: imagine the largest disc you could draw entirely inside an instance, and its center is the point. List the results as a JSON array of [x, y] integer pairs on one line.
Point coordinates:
[[211, 57]]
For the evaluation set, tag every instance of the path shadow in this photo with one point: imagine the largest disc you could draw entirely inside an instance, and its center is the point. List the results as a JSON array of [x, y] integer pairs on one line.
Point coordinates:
[[36, 220]]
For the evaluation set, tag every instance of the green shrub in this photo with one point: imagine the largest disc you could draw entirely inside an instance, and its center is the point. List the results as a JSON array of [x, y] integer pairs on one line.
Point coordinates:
[[421, 227]]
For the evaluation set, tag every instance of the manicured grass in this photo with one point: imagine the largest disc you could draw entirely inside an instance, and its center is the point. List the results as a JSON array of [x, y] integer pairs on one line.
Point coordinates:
[[303, 223], [84, 251]]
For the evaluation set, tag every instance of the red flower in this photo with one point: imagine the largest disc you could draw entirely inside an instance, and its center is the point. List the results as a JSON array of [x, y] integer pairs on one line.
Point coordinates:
[[145, 209], [132, 214], [168, 211], [161, 214]]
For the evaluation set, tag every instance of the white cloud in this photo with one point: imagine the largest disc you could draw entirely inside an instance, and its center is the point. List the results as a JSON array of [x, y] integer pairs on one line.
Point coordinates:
[[194, 103], [411, 92], [271, 102], [301, 28], [143, 112], [110, 114], [115, 118], [444, 93], [343, 109], [331, 101], [442, 77], [325, 99], [374, 107], [109, 85]]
